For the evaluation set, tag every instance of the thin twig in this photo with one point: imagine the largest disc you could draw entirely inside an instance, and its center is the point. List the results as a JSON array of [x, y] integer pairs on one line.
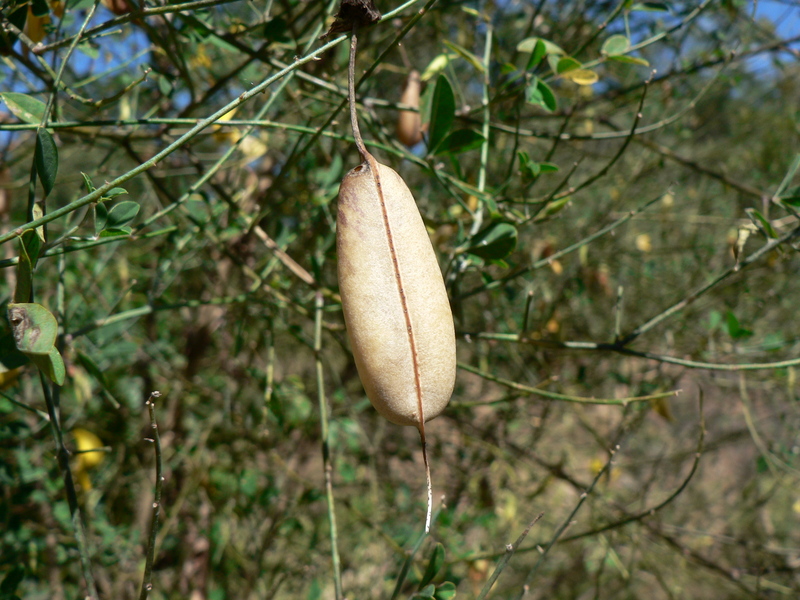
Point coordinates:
[[147, 582], [564, 397], [327, 467], [69, 487], [510, 550]]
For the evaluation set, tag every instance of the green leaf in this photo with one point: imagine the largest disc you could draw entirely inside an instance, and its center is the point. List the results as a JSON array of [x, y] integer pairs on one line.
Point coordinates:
[[100, 218], [555, 206], [460, 141], [651, 6], [52, 365], [529, 45], [435, 564], [115, 232], [791, 196], [46, 159], [425, 593], [34, 328], [88, 181], [735, 330], [446, 591], [615, 45], [443, 112], [494, 242], [436, 66], [761, 222], [466, 55], [540, 94], [631, 60], [24, 107], [121, 214], [114, 192], [539, 52], [567, 64], [582, 76]]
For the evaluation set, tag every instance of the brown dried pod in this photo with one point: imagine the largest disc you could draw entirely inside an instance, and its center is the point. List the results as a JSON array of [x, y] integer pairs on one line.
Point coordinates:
[[409, 122], [395, 304], [394, 300]]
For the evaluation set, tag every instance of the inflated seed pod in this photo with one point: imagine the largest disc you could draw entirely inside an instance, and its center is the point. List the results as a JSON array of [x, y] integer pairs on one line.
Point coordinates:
[[393, 296], [395, 304], [409, 122]]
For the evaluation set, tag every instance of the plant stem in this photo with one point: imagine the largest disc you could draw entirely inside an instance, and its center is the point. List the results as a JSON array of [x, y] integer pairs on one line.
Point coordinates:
[[326, 451], [351, 87], [147, 584]]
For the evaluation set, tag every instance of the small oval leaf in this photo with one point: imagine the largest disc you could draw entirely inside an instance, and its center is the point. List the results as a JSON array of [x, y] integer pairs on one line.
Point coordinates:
[[539, 52], [567, 64], [631, 60], [615, 45], [446, 591], [582, 76], [434, 565], [529, 45], [24, 107], [494, 242], [436, 66], [121, 214], [46, 158], [34, 328]]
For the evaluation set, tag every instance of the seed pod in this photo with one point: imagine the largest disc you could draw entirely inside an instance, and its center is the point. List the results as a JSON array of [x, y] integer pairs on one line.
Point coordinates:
[[393, 296], [409, 122], [395, 305]]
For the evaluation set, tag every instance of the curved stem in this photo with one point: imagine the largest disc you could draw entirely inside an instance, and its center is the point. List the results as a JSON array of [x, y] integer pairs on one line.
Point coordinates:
[[351, 87]]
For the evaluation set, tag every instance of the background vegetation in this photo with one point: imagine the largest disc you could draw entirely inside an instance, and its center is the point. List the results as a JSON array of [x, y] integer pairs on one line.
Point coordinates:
[[616, 213]]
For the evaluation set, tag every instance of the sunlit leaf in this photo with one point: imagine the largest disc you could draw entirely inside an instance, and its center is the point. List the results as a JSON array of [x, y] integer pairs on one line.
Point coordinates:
[[616, 44], [24, 107], [436, 66], [631, 60], [466, 55], [33, 326], [529, 44], [582, 76], [567, 64], [651, 6]]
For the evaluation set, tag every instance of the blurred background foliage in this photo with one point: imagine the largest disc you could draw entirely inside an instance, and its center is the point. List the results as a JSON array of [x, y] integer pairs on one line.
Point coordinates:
[[616, 214]]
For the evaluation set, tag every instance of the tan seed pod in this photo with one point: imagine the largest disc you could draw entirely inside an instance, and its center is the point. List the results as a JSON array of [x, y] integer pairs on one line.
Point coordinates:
[[394, 300], [409, 122], [395, 305]]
